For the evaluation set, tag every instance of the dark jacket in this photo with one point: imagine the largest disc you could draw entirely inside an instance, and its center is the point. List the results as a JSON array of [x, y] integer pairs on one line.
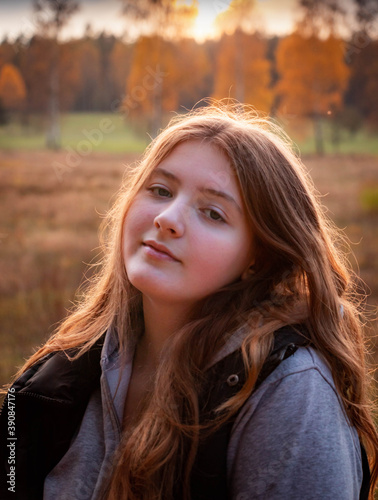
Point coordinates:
[[49, 400]]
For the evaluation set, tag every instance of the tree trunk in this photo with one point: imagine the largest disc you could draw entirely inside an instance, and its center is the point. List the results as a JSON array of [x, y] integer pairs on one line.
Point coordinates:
[[53, 132], [239, 67], [336, 138], [157, 114], [157, 102], [318, 130]]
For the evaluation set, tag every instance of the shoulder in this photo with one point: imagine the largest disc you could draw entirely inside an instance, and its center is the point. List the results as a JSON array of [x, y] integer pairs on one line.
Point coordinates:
[[295, 372], [59, 377], [300, 384], [295, 421]]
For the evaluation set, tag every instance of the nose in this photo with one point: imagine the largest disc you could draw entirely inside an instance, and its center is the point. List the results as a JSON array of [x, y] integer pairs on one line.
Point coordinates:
[[172, 219]]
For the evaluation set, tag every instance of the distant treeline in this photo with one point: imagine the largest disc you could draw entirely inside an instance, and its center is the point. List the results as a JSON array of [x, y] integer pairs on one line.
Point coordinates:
[[293, 75]]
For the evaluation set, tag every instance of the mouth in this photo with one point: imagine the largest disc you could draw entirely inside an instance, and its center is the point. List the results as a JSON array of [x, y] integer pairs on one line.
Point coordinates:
[[159, 251]]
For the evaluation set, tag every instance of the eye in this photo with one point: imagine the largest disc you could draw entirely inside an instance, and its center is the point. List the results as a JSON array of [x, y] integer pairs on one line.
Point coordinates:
[[213, 215], [159, 191]]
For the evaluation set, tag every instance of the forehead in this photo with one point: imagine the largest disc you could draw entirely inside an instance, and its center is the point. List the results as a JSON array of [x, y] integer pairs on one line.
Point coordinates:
[[201, 162]]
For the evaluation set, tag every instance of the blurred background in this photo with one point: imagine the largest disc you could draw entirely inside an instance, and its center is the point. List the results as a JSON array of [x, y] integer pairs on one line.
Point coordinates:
[[86, 84]]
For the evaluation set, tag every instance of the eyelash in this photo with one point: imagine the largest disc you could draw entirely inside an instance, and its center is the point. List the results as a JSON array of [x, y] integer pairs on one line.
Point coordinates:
[[153, 190], [220, 220]]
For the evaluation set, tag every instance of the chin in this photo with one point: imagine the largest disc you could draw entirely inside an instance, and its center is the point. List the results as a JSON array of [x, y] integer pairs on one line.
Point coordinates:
[[152, 287]]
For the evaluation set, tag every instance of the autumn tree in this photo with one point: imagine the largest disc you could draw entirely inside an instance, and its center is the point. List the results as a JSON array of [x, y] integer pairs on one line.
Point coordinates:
[[6, 56], [12, 88], [355, 22], [192, 73], [168, 18], [71, 74], [105, 43], [362, 92], [35, 64], [6, 52], [312, 78], [88, 58], [51, 17], [120, 64], [164, 76], [243, 70], [367, 13], [164, 23], [237, 16], [321, 17], [145, 93], [328, 16]]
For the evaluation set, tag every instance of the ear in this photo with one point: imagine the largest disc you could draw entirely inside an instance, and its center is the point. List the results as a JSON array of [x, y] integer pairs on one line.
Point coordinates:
[[248, 272]]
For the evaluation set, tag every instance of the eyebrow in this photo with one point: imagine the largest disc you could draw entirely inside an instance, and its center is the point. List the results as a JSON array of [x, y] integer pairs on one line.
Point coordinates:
[[211, 191]]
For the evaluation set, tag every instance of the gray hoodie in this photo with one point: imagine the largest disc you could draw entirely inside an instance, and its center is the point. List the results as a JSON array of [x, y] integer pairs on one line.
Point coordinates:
[[291, 440]]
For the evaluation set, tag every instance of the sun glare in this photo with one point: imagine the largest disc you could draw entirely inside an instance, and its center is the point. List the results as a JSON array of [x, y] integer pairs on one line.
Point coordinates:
[[204, 27]]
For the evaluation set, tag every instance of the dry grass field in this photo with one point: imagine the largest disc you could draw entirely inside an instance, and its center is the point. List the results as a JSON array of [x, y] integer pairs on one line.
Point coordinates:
[[49, 232]]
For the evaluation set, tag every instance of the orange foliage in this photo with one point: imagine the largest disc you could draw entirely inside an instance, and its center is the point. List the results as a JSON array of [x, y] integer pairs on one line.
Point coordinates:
[[35, 64], [179, 19], [142, 89], [243, 71], [172, 19], [7, 53], [363, 86], [313, 75], [84, 73], [190, 70], [71, 73], [164, 75], [120, 62], [238, 15], [12, 87]]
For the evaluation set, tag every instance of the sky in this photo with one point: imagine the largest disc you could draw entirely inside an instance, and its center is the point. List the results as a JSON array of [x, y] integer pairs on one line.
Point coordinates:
[[16, 16]]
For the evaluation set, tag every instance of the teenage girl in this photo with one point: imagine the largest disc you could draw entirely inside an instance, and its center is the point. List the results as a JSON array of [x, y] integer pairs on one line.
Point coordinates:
[[218, 354]]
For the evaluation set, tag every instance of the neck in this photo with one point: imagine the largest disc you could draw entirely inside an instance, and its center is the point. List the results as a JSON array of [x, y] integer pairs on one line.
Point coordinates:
[[161, 321]]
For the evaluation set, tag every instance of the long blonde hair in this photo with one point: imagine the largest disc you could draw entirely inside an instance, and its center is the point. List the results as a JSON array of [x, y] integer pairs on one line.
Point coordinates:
[[299, 275]]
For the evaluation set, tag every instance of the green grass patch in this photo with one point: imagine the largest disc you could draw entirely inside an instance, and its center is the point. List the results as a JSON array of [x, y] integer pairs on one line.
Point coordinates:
[[340, 141], [369, 199], [18, 136], [363, 142], [109, 132], [106, 132]]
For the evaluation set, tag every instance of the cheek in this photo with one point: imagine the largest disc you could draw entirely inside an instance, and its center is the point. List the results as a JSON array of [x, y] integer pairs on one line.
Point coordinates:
[[132, 228], [211, 272], [218, 260], [232, 258], [137, 219]]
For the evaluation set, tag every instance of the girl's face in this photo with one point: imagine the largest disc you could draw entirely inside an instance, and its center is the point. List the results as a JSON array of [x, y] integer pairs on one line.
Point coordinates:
[[186, 233]]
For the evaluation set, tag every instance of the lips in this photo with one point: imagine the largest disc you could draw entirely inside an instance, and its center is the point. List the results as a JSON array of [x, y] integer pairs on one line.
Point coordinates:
[[158, 248]]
